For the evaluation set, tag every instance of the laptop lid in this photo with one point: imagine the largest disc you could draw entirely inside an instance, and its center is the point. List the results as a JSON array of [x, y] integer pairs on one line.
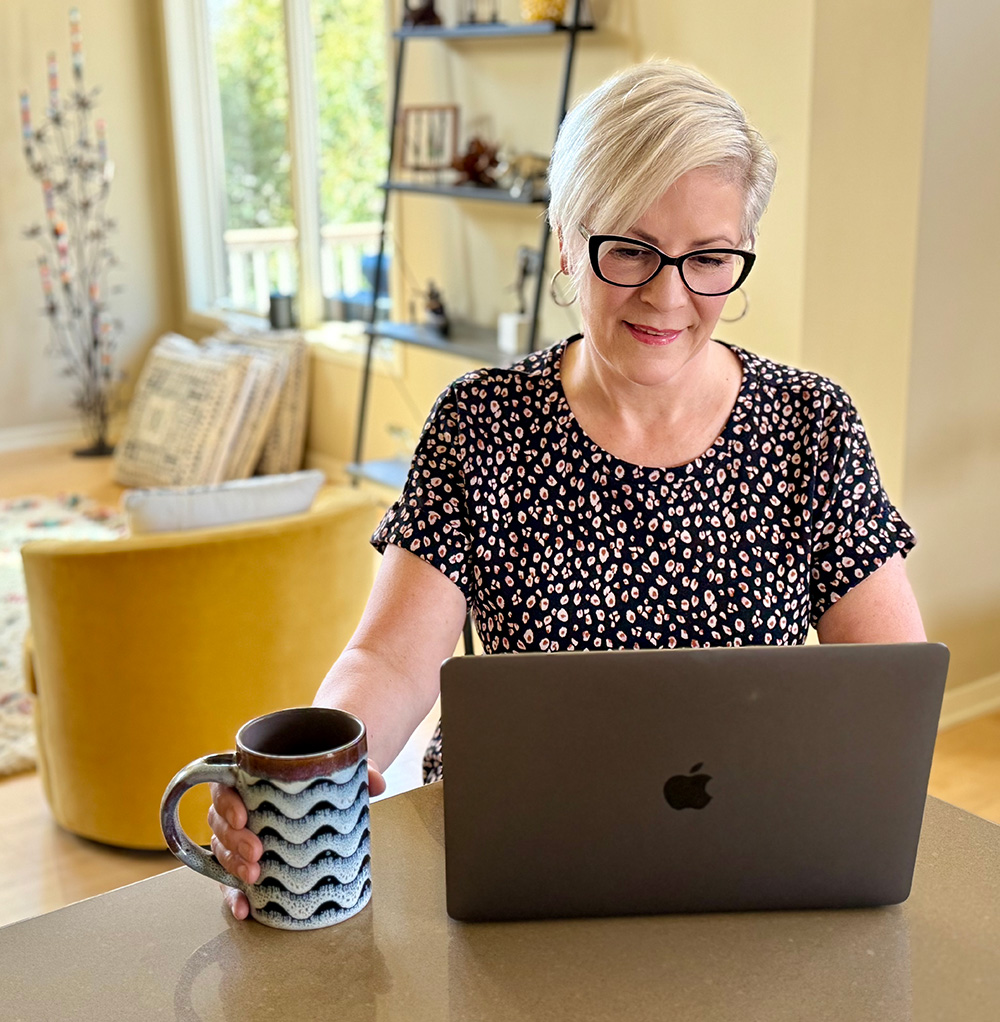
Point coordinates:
[[686, 780]]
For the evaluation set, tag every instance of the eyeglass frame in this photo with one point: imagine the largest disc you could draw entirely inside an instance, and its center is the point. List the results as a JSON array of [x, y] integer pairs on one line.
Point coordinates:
[[594, 242]]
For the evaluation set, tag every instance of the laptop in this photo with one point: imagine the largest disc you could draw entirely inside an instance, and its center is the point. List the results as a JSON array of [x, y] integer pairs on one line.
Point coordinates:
[[686, 780]]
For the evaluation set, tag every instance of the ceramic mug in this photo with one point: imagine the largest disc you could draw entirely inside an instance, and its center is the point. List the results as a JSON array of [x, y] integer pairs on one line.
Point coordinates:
[[303, 775]]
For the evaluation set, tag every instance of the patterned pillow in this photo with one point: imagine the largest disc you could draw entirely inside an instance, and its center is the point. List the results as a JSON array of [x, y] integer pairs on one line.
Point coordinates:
[[265, 378], [284, 445], [183, 417]]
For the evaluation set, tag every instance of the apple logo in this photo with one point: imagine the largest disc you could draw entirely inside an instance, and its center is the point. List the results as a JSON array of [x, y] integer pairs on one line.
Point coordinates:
[[687, 791]]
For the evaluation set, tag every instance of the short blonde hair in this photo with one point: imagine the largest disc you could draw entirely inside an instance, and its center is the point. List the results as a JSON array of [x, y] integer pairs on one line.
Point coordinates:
[[621, 147]]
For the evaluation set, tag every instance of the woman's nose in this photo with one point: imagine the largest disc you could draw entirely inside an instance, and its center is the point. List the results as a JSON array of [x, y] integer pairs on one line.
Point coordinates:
[[666, 289]]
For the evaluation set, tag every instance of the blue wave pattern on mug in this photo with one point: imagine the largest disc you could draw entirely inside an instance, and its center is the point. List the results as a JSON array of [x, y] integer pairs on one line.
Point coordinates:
[[316, 867]]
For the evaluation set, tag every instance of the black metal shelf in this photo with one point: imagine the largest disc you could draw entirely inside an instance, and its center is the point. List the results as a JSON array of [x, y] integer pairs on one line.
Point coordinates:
[[466, 340], [474, 192], [470, 342], [487, 30]]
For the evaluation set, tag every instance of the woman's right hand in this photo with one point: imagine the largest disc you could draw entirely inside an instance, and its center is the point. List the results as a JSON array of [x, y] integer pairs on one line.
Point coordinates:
[[238, 849]]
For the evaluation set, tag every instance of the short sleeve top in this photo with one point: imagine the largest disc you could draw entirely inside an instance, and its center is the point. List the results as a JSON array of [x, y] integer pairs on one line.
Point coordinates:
[[558, 545]]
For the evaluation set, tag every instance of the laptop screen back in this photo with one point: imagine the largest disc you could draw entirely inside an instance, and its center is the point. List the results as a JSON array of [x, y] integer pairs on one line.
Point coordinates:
[[647, 781]]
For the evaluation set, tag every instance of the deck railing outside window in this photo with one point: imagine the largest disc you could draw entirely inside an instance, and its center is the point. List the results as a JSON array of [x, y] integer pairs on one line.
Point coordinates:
[[263, 260]]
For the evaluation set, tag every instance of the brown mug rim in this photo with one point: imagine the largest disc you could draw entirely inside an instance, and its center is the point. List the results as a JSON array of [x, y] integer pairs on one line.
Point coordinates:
[[245, 751]]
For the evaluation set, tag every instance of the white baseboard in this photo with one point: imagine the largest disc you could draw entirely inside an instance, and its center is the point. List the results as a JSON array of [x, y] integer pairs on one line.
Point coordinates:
[[16, 438], [970, 701]]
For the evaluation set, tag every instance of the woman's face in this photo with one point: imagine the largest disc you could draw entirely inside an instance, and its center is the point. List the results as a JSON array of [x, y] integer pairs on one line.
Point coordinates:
[[648, 334]]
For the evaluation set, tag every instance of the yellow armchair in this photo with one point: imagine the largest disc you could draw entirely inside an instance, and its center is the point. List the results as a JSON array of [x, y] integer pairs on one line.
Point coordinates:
[[150, 651]]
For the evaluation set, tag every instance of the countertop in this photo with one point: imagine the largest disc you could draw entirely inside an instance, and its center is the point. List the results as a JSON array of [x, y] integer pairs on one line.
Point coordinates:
[[165, 948]]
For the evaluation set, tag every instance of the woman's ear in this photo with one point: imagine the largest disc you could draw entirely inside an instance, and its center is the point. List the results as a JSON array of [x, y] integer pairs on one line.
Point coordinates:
[[563, 261]]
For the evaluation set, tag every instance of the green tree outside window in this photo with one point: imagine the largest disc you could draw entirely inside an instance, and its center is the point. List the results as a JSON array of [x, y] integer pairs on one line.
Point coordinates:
[[249, 47]]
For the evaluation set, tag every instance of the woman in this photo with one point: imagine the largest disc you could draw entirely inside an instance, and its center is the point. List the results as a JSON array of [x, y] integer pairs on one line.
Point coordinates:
[[639, 485]]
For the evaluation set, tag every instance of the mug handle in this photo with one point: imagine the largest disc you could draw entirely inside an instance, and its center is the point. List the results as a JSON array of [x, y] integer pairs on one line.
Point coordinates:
[[220, 767]]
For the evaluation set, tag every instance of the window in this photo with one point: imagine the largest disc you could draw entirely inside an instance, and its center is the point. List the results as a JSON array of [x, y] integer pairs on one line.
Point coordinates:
[[280, 143]]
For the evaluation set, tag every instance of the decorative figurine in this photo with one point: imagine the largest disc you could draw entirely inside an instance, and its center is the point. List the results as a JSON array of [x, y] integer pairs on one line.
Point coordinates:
[[435, 315], [420, 13], [528, 261], [523, 175], [476, 164]]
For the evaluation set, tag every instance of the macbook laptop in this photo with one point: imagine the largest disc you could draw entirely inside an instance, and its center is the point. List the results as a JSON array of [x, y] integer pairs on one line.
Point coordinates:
[[686, 780]]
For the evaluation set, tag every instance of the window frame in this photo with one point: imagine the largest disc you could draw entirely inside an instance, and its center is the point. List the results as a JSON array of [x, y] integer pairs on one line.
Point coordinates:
[[196, 137], [199, 165]]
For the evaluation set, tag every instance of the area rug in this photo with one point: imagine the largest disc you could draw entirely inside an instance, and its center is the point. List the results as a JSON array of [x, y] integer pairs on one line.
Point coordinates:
[[23, 519]]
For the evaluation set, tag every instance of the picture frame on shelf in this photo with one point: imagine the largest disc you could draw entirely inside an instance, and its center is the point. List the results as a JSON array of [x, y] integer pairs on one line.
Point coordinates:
[[429, 137]]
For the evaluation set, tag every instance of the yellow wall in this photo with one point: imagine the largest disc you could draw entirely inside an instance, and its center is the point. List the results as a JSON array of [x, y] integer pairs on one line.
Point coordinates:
[[399, 398], [122, 57], [866, 136], [952, 481]]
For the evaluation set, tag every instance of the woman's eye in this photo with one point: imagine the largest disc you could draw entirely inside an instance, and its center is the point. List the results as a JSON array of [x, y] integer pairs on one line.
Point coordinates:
[[624, 252], [710, 262]]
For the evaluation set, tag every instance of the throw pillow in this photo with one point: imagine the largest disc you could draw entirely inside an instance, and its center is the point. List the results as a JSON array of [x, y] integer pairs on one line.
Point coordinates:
[[265, 377], [183, 419], [202, 507], [284, 446]]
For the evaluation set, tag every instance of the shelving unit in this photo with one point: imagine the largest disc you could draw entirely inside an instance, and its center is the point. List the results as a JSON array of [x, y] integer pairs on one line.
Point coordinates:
[[469, 340], [468, 192]]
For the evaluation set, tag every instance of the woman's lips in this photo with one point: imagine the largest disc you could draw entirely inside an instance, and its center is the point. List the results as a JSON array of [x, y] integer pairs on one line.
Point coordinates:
[[650, 335]]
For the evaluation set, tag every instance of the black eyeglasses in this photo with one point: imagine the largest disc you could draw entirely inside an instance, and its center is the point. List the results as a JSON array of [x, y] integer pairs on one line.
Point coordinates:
[[627, 262]]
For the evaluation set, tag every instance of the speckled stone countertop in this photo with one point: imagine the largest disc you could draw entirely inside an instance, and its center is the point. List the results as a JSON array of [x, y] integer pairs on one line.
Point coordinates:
[[164, 948]]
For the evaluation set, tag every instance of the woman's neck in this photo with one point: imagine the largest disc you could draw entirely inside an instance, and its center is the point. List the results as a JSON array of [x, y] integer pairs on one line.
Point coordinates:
[[669, 423]]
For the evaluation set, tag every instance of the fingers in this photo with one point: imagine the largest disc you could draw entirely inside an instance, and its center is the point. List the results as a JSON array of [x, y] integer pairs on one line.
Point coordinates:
[[229, 805], [236, 848], [236, 901], [376, 782]]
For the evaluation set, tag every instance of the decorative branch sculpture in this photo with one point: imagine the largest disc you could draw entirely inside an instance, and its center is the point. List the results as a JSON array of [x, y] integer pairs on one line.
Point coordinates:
[[69, 156]]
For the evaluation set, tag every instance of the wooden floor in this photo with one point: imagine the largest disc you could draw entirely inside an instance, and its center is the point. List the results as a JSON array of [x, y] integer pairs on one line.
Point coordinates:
[[42, 867]]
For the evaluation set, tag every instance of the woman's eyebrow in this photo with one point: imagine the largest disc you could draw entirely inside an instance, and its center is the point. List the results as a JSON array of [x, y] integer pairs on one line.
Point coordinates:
[[643, 236], [701, 243]]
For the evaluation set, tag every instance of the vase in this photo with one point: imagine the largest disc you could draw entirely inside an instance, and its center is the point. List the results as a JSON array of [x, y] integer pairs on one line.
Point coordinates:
[[543, 10], [94, 405]]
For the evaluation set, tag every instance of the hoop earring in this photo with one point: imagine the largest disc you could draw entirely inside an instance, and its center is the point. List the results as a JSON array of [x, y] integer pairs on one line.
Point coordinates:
[[746, 308], [554, 294]]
